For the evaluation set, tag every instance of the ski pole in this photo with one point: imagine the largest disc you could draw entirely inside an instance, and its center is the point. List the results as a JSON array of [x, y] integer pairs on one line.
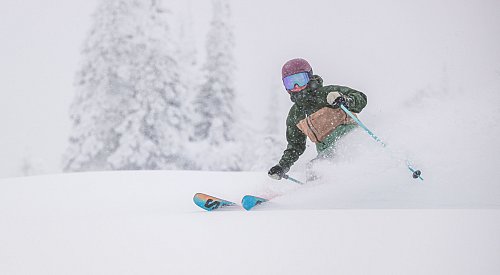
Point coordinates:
[[292, 179], [415, 173]]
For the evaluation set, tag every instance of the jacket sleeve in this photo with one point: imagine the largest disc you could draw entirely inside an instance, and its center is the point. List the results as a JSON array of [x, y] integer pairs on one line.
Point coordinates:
[[296, 142], [359, 99]]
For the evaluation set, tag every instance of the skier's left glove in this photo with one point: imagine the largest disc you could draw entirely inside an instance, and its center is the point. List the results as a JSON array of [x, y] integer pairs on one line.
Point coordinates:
[[277, 172], [336, 98]]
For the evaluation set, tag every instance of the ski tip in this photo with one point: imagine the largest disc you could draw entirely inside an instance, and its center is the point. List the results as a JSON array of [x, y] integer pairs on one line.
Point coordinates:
[[200, 197]]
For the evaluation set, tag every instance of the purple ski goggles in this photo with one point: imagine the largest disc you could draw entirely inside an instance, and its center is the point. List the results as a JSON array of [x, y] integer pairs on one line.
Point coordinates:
[[300, 79]]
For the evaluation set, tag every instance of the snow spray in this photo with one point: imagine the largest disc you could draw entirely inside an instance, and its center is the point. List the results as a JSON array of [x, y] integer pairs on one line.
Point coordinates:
[[416, 174]]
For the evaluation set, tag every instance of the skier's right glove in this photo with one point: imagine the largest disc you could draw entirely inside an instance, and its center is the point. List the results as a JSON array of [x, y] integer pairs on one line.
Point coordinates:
[[336, 99], [277, 172]]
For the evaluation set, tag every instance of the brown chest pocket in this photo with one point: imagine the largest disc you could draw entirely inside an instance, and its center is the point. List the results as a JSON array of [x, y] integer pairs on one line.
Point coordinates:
[[320, 124]]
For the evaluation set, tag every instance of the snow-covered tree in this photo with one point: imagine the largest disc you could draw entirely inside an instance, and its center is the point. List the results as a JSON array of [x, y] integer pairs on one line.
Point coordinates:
[[215, 101], [214, 134], [128, 109], [214, 104], [187, 53], [187, 39]]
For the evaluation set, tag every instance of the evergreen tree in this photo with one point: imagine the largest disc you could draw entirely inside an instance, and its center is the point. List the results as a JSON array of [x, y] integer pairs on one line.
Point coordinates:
[[188, 52], [215, 118], [188, 55], [127, 111], [215, 100]]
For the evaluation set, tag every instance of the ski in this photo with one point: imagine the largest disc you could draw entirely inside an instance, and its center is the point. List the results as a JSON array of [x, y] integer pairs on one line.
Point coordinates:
[[248, 202], [211, 203]]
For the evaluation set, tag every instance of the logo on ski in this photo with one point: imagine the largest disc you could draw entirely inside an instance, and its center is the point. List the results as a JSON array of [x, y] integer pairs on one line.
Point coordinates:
[[212, 204]]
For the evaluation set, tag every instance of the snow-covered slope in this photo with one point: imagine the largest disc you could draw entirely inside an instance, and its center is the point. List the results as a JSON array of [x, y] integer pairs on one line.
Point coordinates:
[[146, 223]]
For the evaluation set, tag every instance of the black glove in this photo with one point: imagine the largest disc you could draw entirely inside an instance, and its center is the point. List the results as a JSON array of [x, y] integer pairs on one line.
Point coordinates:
[[277, 172], [336, 98]]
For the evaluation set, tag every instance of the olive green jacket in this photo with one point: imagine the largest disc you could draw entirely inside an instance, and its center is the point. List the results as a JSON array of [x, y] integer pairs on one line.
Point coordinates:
[[308, 102]]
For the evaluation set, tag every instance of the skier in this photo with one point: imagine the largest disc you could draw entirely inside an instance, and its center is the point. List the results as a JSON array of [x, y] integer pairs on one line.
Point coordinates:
[[314, 114]]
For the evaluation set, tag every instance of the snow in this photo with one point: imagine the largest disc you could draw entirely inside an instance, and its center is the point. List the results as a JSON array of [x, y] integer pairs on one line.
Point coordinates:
[[432, 87], [146, 223]]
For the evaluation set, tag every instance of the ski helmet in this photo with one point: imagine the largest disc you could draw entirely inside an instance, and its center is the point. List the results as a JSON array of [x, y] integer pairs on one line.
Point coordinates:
[[295, 66]]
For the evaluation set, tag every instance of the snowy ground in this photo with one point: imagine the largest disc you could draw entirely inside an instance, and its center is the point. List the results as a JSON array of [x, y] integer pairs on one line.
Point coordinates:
[[146, 223]]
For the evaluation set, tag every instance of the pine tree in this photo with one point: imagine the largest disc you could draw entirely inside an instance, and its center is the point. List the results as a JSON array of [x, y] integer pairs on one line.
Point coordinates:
[[188, 52], [127, 111], [214, 103], [214, 127], [188, 55]]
